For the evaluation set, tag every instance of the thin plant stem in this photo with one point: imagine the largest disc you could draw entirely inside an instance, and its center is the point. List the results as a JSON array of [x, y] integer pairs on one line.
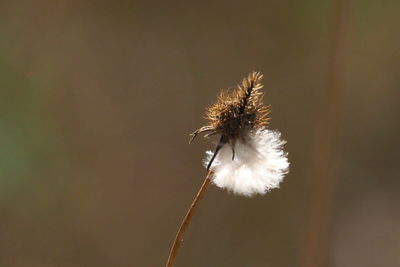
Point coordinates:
[[186, 221]]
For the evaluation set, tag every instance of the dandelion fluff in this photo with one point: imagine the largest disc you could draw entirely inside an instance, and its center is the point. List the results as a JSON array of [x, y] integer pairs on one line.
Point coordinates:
[[259, 163]]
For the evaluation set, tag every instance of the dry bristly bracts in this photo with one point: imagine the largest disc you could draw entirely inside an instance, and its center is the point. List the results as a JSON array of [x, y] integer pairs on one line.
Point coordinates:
[[248, 158]]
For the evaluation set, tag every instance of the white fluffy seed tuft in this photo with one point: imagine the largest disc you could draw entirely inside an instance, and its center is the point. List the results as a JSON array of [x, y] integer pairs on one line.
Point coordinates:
[[259, 164]]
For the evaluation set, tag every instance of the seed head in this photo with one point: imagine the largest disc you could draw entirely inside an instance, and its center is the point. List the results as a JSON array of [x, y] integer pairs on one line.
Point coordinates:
[[241, 119], [237, 113]]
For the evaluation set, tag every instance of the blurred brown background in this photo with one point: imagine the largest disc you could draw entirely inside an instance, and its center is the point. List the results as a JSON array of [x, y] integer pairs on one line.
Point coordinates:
[[97, 99]]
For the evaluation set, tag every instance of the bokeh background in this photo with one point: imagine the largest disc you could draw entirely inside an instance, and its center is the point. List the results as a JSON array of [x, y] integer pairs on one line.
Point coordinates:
[[97, 99]]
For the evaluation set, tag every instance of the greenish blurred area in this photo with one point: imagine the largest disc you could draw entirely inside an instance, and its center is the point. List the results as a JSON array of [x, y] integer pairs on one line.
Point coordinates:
[[97, 99], [23, 133]]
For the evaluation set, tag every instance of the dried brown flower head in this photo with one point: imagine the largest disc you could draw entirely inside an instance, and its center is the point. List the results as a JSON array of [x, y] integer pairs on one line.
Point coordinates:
[[236, 114]]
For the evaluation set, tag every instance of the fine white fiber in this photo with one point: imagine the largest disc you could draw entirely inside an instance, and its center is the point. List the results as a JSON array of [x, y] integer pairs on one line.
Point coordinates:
[[259, 163]]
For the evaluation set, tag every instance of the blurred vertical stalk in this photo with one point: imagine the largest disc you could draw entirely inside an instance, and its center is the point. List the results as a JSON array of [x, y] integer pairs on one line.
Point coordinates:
[[324, 161]]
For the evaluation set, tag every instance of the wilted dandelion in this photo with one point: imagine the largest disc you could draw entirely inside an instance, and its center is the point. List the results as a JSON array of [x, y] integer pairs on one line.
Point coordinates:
[[248, 158]]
